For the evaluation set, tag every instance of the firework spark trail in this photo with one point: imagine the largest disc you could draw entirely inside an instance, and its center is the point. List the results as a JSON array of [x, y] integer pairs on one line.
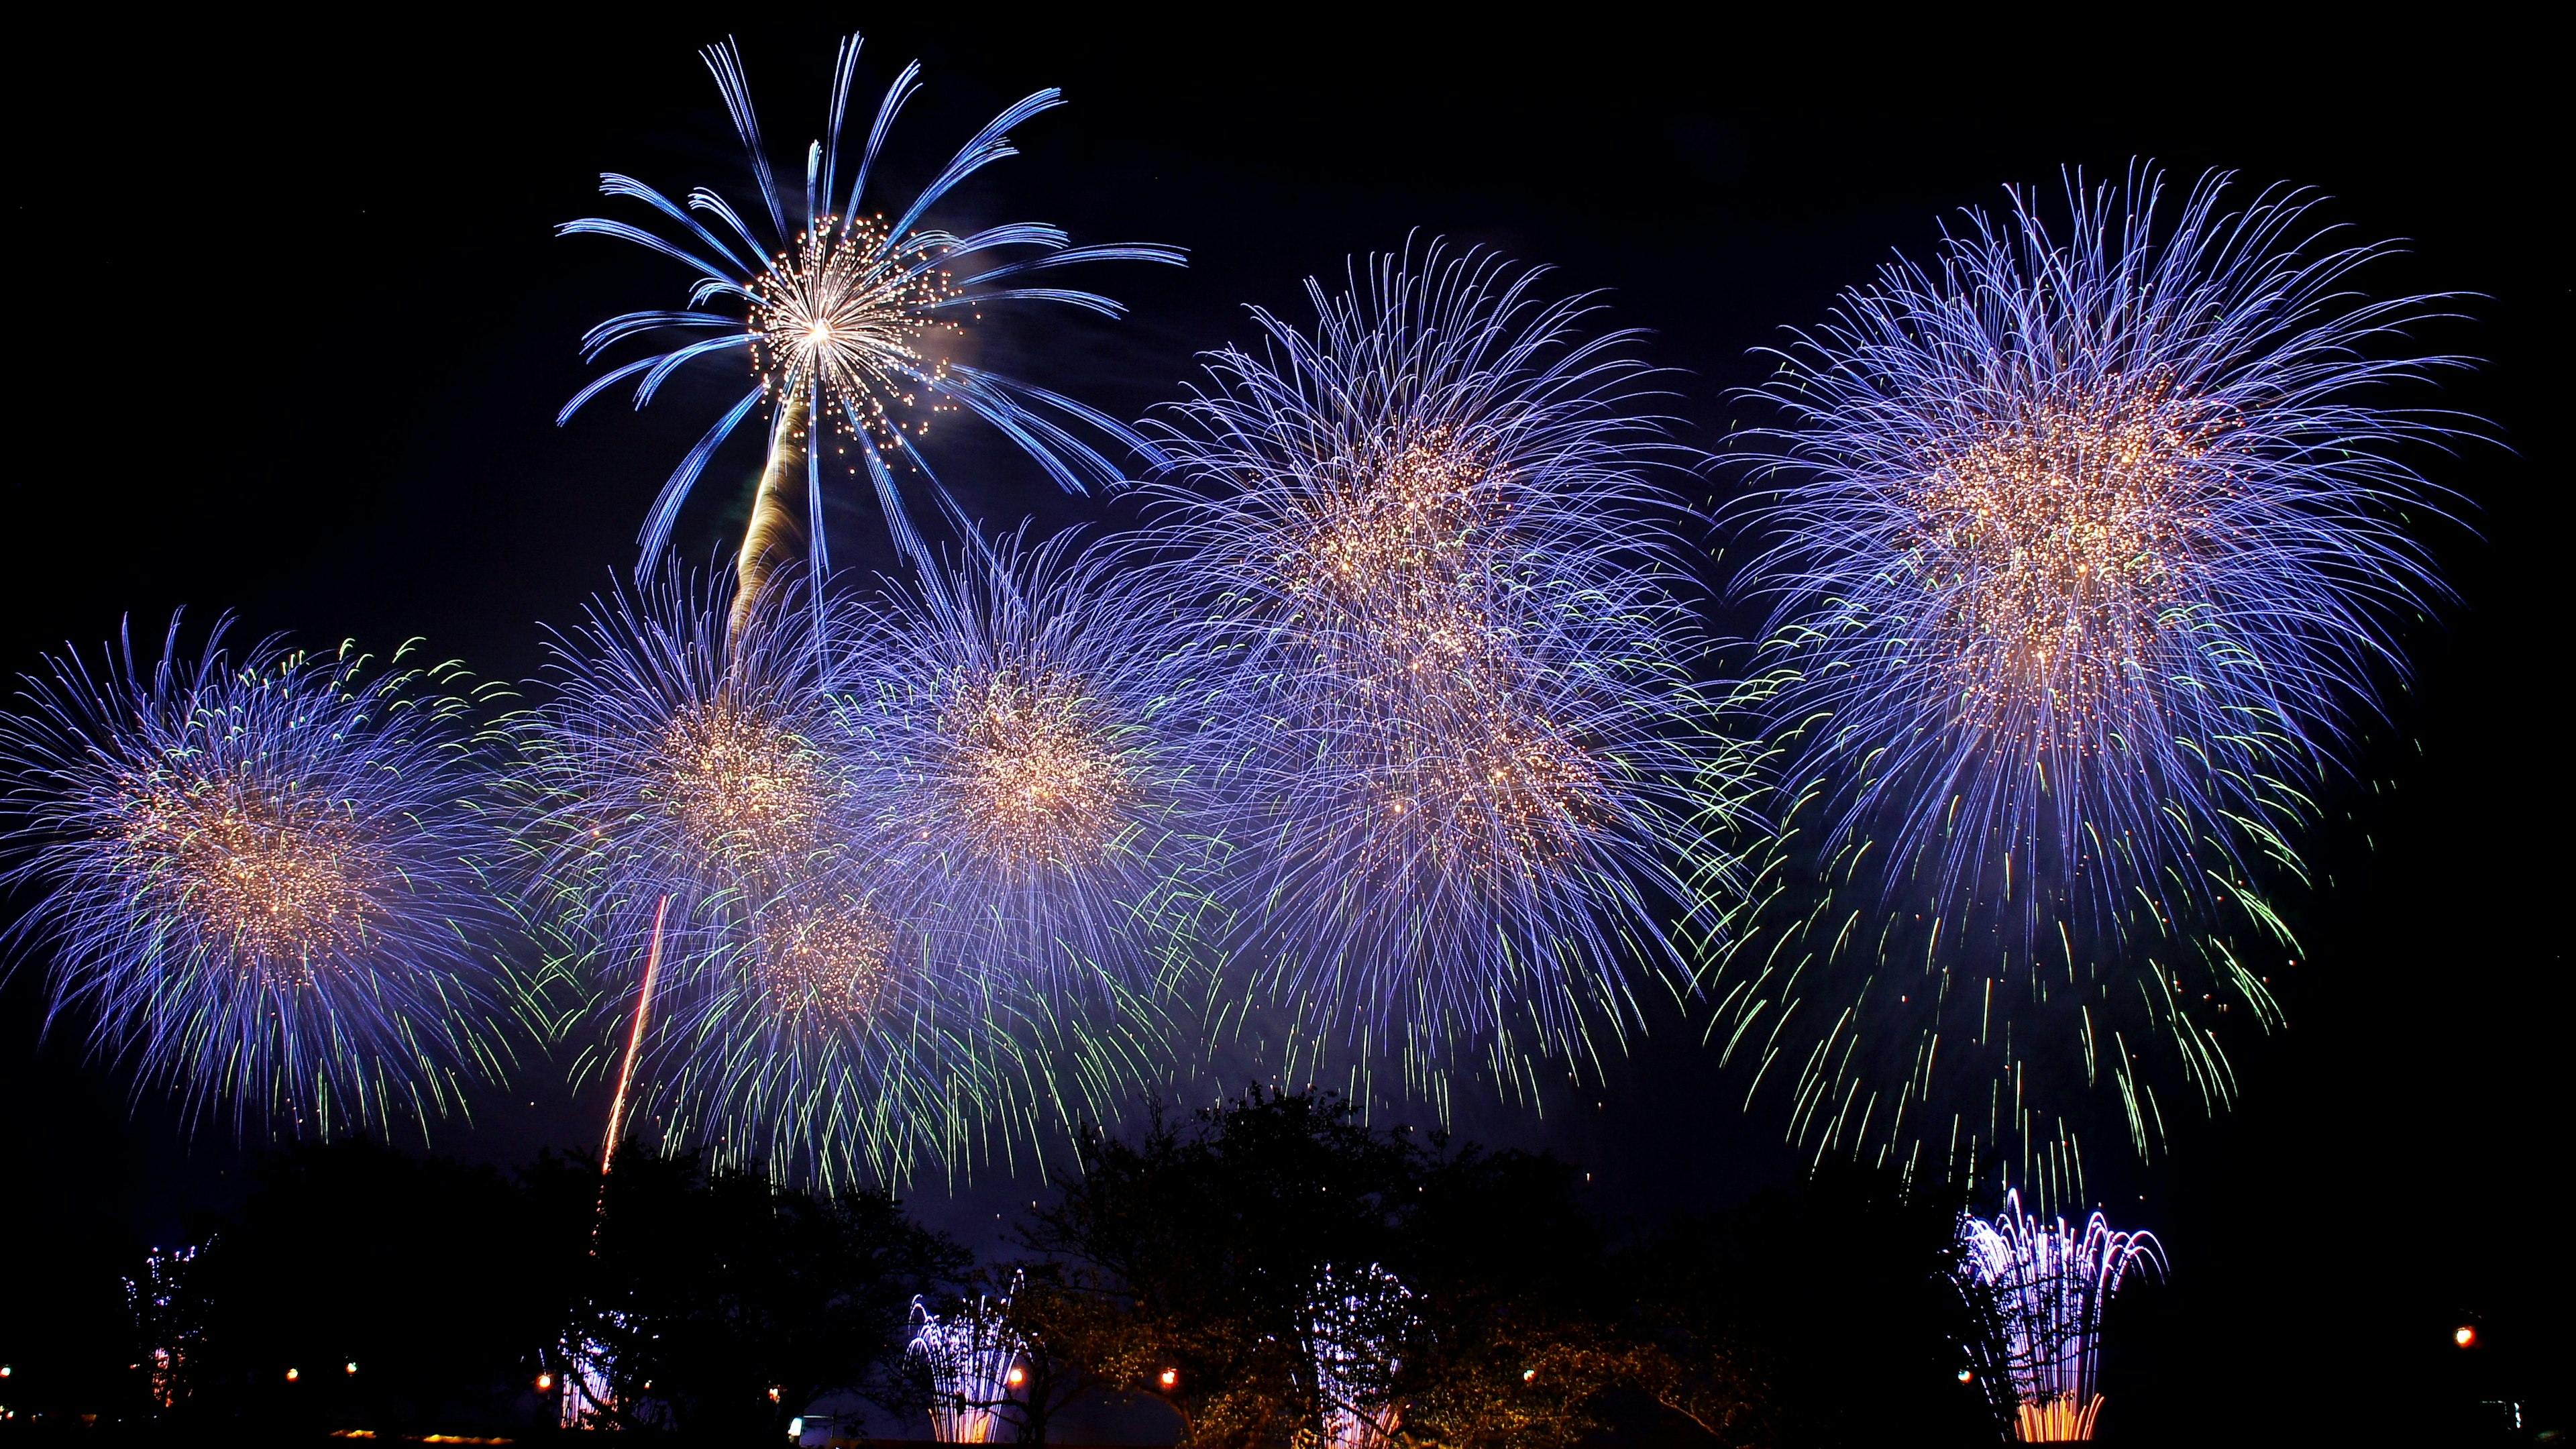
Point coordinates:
[[1447, 596], [263, 878], [2083, 554], [634, 1037], [849, 322], [807, 1016]]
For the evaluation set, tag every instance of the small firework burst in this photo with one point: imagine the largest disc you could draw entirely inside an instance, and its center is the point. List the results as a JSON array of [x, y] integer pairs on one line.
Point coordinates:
[[1448, 600], [1029, 737], [852, 324], [798, 1020], [2084, 551], [824, 952], [263, 878], [851, 314]]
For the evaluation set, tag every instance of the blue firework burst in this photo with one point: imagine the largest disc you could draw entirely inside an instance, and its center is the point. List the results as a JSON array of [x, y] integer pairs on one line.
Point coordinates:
[[1447, 596], [1028, 726], [262, 878], [2084, 551], [695, 785], [844, 321]]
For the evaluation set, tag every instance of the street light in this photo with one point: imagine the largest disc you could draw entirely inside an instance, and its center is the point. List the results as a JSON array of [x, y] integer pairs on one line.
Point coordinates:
[[2465, 1336], [293, 1374], [1171, 1377], [350, 1367]]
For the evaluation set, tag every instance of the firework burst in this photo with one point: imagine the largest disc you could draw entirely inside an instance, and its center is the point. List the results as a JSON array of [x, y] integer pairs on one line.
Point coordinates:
[[1447, 600], [262, 878], [1028, 732], [2084, 553], [850, 323], [798, 1019]]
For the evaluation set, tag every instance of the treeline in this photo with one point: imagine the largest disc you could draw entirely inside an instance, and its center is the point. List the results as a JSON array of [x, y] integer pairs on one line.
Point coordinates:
[[1276, 1272]]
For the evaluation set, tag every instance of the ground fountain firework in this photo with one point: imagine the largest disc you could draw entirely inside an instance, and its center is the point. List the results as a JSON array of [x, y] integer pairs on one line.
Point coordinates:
[[2084, 549], [265, 876], [972, 1359], [2048, 1285], [1355, 1322]]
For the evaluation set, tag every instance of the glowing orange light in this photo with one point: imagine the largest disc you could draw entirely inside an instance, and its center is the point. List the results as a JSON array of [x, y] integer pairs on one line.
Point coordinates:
[[349, 1367], [1966, 1377], [1528, 1374], [1016, 1376], [545, 1382], [2060, 1420], [1170, 1377], [773, 1393], [293, 1374], [2465, 1336]]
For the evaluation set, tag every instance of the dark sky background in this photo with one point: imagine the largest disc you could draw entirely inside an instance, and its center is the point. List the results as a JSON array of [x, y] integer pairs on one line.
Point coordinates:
[[298, 329]]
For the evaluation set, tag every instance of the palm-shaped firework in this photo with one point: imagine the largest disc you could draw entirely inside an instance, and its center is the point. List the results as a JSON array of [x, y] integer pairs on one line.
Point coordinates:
[[265, 876], [846, 319], [2085, 549], [1446, 596]]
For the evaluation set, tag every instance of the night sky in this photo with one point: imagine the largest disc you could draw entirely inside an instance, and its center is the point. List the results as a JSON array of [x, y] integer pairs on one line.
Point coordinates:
[[297, 329]]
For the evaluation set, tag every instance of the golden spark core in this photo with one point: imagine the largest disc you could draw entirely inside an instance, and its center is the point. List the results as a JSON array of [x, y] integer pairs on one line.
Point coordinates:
[[1389, 546], [853, 312], [1035, 770], [280, 884], [1487, 790], [744, 789], [2060, 543], [1399, 568], [830, 958]]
